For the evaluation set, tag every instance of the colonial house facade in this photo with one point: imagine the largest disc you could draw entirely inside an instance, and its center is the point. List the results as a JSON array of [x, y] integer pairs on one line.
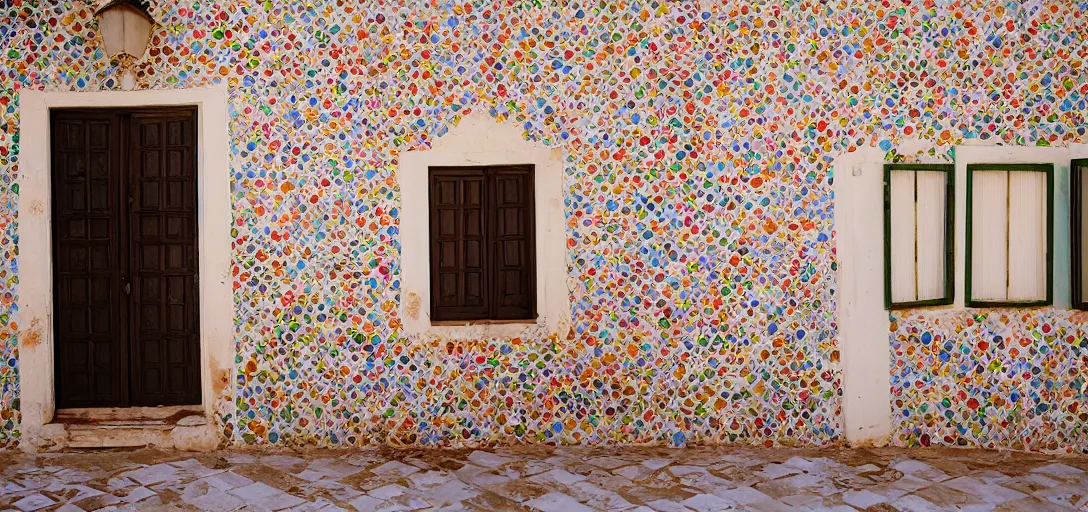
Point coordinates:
[[437, 224]]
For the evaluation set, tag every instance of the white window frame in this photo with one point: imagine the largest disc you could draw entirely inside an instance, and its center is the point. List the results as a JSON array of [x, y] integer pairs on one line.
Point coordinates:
[[478, 140], [1060, 259]]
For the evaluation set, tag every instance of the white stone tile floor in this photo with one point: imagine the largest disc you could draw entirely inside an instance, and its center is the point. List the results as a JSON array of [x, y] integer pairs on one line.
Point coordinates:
[[546, 479]]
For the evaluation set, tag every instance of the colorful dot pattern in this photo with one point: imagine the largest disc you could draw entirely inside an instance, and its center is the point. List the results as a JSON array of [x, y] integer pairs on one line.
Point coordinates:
[[698, 136], [995, 379]]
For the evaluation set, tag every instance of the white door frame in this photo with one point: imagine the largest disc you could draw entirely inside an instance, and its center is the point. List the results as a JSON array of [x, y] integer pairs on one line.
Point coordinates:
[[35, 288]]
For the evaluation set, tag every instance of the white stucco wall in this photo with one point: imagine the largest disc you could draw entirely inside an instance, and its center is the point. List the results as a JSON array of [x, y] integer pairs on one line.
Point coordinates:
[[862, 319]]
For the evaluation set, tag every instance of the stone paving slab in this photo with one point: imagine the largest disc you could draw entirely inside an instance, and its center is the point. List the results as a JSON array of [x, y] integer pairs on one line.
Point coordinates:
[[545, 479]]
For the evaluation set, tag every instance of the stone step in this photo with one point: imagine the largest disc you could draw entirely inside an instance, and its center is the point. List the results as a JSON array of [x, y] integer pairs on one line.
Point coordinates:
[[119, 436]]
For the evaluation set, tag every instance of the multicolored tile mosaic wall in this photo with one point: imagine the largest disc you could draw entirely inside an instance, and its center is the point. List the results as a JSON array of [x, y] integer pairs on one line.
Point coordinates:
[[995, 379], [699, 204]]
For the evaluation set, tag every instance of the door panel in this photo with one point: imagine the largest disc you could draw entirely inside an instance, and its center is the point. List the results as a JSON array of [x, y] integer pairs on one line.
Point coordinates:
[[88, 307], [164, 244], [457, 237], [511, 200]]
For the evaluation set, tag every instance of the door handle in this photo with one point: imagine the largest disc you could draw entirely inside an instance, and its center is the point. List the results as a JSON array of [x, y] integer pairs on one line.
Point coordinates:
[[128, 288]]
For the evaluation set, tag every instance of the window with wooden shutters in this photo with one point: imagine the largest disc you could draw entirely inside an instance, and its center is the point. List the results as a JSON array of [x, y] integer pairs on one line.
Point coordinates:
[[1079, 209], [1009, 234], [918, 206], [482, 252]]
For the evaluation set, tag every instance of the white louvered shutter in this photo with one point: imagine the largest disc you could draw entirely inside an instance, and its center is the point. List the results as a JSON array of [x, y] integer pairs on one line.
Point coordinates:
[[931, 225], [1009, 236], [989, 233], [902, 236], [917, 210], [1027, 236]]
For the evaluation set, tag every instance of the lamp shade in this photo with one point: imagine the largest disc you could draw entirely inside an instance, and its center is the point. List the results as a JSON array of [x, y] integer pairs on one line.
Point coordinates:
[[125, 26]]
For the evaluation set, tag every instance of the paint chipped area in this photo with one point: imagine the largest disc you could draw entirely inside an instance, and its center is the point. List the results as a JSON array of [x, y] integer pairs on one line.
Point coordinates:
[[991, 379], [223, 402], [414, 304]]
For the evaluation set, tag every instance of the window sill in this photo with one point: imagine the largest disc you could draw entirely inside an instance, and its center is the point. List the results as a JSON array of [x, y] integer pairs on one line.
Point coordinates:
[[922, 304], [1008, 305], [459, 323], [482, 329]]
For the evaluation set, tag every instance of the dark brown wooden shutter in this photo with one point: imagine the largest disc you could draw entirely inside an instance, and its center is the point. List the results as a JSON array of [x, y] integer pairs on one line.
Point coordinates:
[[166, 342], [482, 254], [458, 245], [512, 266], [88, 325]]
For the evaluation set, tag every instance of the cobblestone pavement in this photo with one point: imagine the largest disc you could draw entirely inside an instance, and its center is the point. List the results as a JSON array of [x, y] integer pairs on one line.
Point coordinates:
[[561, 480]]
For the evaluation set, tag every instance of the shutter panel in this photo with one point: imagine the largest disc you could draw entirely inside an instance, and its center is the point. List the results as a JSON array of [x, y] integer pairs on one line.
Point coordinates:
[[989, 218], [513, 254], [1079, 168], [86, 255], [917, 220], [459, 280], [1027, 236], [902, 236], [931, 229]]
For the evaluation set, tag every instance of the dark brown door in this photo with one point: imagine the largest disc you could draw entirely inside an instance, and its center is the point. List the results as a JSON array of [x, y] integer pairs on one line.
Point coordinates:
[[124, 257]]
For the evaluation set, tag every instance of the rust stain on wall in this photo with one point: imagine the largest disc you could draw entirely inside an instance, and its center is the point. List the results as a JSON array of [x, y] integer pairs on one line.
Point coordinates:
[[32, 337], [221, 377]]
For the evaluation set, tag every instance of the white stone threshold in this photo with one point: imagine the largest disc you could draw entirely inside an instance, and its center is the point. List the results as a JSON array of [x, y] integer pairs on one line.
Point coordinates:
[[169, 428]]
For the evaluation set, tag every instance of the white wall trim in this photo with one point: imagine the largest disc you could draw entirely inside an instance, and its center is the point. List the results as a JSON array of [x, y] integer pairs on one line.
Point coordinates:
[[480, 140], [35, 289], [862, 320]]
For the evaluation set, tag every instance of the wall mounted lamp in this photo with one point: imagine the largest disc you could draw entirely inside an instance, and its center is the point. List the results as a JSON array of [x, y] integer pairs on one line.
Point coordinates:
[[125, 26]]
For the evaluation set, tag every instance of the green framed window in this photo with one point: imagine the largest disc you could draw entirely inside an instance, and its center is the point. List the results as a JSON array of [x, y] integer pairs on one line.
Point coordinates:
[[1078, 173], [918, 235], [1010, 235]]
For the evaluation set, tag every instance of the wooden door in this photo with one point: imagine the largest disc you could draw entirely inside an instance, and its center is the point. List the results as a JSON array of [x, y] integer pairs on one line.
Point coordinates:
[[125, 257]]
